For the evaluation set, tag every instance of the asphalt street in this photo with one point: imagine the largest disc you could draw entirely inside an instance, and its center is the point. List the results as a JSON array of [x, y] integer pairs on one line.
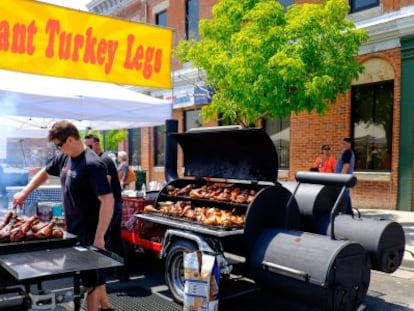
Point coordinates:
[[146, 289]]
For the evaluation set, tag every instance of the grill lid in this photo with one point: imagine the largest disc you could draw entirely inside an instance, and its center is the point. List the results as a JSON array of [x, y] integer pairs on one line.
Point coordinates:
[[244, 154]]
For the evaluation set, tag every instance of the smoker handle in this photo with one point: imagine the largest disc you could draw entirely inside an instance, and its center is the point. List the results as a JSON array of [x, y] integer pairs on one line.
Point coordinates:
[[171, 149], [286, 271], [214, 128], [331, 179], [335, 211]]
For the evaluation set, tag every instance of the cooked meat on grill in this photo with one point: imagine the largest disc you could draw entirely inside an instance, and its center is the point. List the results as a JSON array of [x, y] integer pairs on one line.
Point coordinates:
[[215, 191], [46, 232], [18, 233], [28, 228], [39, 225], [185, 190], [6, 219], [5, 232], [203, 215], [150, 208], [57, 233]]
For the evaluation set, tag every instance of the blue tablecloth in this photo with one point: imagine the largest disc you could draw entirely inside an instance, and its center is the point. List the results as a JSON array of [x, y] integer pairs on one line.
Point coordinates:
[[41, 194]]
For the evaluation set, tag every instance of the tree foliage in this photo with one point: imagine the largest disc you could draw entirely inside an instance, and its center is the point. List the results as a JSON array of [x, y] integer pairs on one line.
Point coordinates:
[[264, 61], [110, 139], [113, 138]]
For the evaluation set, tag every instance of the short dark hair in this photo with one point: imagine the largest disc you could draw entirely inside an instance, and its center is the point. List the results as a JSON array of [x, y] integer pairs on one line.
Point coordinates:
[[347, 140], [326, 147], [92, 136], [61, 130]]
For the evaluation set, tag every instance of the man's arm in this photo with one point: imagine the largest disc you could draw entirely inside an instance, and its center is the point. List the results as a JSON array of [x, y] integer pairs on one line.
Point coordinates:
[[346, 158], [37, 180], [105, 215], [345, 168]]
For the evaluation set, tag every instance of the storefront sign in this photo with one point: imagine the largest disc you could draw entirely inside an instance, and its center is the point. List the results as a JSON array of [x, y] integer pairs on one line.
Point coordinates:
[[202, 95], [188, 96], [44, 39]]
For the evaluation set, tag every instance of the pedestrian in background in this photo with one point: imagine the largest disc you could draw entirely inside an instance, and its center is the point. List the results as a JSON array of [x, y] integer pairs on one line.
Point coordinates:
[[324, 162], [123, 170], [113, 239], [87, 200], [345, 165]]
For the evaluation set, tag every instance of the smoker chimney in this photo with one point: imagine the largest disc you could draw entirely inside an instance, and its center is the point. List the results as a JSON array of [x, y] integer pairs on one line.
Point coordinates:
[[170, 171]]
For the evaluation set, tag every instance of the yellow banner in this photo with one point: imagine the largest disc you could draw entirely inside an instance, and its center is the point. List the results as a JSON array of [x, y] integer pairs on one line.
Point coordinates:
[[44, 39]]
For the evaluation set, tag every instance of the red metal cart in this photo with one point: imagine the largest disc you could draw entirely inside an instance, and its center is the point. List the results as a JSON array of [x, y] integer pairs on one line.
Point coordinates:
[[136, 232]]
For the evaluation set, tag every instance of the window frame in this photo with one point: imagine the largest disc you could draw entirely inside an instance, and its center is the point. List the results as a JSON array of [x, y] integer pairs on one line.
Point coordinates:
[[198, 122], [159, 146], [192, 19], [354, 8], [372, 146], [161, 14], [281, 125], [134, 145]]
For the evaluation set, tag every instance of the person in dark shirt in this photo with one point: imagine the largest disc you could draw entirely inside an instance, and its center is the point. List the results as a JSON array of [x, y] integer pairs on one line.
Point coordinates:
[[87, 199], [345, 165], [346, 160], [113, 237]]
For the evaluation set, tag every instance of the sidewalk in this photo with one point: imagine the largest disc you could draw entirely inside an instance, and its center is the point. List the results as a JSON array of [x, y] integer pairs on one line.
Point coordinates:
[[406, 219]]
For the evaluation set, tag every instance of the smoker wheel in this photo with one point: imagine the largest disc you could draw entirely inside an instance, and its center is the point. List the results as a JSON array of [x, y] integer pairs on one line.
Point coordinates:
[[174, 268]]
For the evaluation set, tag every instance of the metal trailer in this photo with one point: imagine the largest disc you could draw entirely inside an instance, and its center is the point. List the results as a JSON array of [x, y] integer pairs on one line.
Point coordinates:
[[313, 268]]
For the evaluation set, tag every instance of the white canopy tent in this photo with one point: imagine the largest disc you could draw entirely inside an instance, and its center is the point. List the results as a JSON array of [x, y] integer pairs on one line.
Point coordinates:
[[31, 103], [28, 127]]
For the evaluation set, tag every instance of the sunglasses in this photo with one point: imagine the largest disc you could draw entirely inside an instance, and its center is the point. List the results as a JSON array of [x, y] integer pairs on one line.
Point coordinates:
[[326, 149], [60, 144]]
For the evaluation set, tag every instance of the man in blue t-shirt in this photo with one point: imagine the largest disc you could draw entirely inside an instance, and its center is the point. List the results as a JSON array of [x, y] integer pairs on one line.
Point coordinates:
[[345, 164]]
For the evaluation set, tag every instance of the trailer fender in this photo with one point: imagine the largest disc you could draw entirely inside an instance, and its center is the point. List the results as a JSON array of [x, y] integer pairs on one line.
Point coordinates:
[[203, 243]]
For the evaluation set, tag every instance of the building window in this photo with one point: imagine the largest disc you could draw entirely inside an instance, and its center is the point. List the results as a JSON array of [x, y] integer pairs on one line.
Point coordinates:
[[372, 107], [134, 146], [161, 18], [191, 19], [279, 132], [359, 5], [192, 119], [159, 145]]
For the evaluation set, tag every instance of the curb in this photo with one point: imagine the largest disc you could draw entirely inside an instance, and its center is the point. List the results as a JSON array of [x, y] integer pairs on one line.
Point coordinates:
[[408, 263]]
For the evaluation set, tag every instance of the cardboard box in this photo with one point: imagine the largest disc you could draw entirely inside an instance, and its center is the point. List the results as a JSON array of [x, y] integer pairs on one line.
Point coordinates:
[[201, 287]]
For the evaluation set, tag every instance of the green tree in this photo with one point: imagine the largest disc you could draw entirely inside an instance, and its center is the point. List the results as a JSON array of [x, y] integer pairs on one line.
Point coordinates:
[[264, 61], [110, 139], [113, 138]]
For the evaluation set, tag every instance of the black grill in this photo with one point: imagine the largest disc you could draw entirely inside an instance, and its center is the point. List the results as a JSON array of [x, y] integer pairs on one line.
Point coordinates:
[[315, 269], [383, 239]]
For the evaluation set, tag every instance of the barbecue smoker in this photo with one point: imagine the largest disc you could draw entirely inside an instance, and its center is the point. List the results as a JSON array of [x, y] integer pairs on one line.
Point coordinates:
[[321, 211], [312, 268]]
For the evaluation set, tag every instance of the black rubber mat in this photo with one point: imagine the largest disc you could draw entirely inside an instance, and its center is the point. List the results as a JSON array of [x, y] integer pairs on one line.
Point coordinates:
[[138, 298]]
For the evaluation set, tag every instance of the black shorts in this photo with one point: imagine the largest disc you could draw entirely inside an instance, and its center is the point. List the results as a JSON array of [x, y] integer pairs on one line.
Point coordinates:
[[90, 278], [93, 278]]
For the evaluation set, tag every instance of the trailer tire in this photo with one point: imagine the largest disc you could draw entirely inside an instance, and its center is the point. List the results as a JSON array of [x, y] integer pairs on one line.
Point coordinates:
[[174, 268]]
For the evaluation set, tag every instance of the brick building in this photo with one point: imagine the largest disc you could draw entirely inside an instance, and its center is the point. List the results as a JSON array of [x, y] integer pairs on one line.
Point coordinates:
[[377, 111]]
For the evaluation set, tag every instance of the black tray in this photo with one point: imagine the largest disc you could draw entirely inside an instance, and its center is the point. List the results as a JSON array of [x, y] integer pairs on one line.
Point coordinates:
[[25, 246]]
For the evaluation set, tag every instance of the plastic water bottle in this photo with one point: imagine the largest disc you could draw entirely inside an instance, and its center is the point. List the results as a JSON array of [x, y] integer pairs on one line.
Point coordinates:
[[144, 190]]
